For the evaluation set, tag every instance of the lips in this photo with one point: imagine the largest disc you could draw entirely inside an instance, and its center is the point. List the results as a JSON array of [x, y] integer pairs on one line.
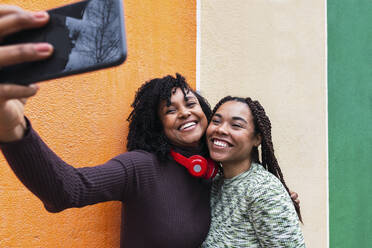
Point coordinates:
[[187, 125]]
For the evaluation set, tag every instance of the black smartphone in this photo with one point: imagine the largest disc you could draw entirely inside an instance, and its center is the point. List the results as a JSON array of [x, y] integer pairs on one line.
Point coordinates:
[[87, 35]]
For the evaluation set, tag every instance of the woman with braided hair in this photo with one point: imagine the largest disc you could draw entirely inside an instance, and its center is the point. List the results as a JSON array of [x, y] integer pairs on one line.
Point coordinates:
[[250, 201]]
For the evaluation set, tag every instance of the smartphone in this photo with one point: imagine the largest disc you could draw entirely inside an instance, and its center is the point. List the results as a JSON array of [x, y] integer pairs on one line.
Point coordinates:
[[87, 35]]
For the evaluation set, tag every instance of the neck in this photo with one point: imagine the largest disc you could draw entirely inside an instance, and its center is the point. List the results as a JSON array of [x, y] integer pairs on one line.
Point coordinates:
[[231, 170]]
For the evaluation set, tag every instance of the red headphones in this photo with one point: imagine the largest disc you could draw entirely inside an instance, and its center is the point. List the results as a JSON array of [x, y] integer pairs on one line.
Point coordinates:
[[198, 166]]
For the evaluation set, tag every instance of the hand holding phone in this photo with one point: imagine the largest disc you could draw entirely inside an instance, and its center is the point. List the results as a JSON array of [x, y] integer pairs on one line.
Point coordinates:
[[86, 36], [13, 97], [14, 19]]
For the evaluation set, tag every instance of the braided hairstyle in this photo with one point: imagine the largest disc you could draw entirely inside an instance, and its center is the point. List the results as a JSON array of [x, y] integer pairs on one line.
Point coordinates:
[[262, 125], [145, 127]]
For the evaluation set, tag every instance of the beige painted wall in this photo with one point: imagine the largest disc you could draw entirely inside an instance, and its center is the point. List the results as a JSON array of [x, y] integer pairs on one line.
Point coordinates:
[[274, 51]]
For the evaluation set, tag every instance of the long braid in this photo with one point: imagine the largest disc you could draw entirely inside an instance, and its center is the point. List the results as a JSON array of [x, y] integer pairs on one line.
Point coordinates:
[[269, 161], [262, 125]]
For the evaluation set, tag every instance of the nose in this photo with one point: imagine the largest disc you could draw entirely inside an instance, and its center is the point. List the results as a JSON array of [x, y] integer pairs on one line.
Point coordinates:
[[184, 113], [222, 129]]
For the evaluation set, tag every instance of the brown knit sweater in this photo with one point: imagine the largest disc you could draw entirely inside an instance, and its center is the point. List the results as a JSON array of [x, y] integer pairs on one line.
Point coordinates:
[[163, 206]]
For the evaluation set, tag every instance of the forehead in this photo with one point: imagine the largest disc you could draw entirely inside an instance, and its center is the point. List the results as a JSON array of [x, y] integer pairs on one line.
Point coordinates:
[[178, 97], [177, 92], [233, 109]]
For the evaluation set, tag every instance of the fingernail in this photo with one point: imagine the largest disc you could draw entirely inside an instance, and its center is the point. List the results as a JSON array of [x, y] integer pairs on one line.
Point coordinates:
[[35, 86], [43, 47], [40, 15]]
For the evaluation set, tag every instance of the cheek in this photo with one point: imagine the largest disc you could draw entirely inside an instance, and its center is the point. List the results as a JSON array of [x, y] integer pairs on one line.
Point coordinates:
[[209, 131], [204, 123], [166, 122]]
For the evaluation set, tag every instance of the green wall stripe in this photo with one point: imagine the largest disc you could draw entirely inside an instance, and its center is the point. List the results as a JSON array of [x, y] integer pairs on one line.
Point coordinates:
[[350, 122]]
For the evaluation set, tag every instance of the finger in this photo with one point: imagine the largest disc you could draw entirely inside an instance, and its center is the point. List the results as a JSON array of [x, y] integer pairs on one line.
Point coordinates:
[[294, 197], [10, 55], [293, 194], [24, 100], [6, 9], [12, 91], [17, 20]]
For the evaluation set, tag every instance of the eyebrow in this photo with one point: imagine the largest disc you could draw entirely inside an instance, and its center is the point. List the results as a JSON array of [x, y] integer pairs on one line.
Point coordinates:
[[188, 98], [235, 118]]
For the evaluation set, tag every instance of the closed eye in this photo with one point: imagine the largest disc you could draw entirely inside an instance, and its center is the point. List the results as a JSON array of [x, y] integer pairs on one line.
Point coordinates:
[[170, 111], [191, 104], [237, 125]]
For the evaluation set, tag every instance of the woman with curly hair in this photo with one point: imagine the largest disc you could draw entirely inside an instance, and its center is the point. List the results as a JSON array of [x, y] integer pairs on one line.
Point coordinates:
[[250, 201], [164, 205]]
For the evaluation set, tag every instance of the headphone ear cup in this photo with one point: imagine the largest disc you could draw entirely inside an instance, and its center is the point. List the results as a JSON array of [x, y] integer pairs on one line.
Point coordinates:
[[212, 169], [197, 165]]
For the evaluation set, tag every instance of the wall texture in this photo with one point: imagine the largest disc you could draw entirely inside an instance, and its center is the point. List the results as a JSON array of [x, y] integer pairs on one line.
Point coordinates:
[[83, 118], [274, 51], [350, 118]]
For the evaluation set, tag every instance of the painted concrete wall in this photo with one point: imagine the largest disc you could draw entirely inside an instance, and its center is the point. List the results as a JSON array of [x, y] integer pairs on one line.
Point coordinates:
[[83, 118], [274, 51]]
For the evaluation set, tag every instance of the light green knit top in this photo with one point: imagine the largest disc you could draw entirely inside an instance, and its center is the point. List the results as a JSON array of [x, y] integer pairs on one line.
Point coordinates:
[[252, 210]]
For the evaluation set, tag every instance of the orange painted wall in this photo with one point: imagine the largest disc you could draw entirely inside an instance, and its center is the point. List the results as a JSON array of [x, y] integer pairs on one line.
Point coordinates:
[[83, 119]]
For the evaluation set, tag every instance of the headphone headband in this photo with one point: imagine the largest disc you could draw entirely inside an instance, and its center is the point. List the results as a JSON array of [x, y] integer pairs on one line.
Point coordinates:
[[179, 158]]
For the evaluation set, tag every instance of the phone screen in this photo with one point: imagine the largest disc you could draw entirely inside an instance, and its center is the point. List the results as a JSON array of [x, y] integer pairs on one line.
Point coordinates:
[[86, 36]]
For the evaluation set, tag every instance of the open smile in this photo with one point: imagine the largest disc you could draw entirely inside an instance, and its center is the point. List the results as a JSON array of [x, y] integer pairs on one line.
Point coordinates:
[[187, 126], [219, 143]]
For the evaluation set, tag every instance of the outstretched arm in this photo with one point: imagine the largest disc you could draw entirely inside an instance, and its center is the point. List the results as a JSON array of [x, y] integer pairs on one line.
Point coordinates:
[[60, 185]]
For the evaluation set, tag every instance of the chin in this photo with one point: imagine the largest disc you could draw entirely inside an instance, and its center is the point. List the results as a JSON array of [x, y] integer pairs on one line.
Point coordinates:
[[190, 142], [195, 139], [216, 157]]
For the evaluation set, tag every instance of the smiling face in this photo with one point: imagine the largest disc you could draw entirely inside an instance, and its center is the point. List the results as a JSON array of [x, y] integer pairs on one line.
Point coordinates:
[[184, 121], [231, 136]]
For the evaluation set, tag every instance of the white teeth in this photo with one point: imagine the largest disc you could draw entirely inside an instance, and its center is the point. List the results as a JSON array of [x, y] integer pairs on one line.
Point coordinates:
[[189, 124], [220, 143]]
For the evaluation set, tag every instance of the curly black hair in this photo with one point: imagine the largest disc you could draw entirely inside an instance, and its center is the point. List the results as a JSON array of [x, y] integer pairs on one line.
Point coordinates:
[[262, 125], [145, 127]]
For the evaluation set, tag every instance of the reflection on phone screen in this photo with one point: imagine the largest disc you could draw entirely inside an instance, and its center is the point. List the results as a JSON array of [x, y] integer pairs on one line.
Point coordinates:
[[94, 37]]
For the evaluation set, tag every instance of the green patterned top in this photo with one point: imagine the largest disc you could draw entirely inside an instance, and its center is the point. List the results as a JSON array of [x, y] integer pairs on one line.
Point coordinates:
[[252, 209]]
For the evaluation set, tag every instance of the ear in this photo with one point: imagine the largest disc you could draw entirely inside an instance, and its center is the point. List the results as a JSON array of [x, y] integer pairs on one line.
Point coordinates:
[[258, 140]]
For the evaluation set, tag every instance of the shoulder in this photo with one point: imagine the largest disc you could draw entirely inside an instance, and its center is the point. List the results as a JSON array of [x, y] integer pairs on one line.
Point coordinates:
[[273, 213], [136, 154], [137, 158], [263, 180], [266, 189], [141, 169]]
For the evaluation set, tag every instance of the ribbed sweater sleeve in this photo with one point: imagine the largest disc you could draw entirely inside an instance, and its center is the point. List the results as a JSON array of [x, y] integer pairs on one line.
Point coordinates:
[[60, 185]]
